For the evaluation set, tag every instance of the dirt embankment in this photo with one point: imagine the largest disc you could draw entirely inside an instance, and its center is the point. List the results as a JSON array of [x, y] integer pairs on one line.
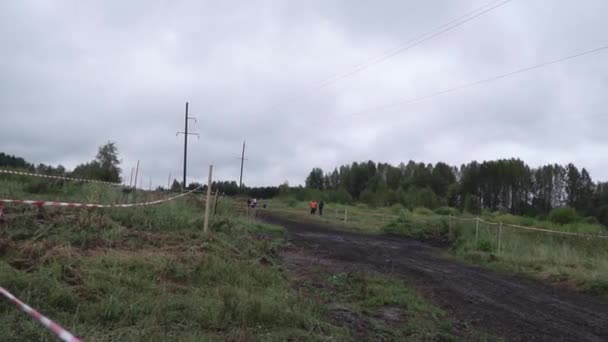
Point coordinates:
[[517, 308]]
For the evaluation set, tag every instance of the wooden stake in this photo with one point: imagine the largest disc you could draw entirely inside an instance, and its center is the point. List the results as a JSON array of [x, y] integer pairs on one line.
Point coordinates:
[[476, 230], [206, 221], [499, 236]]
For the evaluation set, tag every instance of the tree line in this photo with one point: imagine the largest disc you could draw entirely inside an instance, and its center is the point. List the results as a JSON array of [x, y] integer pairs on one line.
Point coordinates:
[[229, 188], [105, 167], [508, 185]]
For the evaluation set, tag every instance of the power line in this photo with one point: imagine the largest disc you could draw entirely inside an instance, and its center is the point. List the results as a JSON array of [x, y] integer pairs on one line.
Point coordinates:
[[417, 41], [475, 83], [470, 15]]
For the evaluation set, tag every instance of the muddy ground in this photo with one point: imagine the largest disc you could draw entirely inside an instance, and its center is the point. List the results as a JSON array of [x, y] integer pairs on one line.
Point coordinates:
[[516, 308]]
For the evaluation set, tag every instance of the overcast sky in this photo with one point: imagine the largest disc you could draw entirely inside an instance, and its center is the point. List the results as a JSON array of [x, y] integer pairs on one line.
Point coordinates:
[[75, 74]]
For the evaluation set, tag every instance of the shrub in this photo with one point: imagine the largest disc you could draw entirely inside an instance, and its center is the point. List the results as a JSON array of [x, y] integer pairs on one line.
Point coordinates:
[[423, 211], [563, 215], [591, 220], [418, 229], [398, 208], [484, 246], [447, 211]]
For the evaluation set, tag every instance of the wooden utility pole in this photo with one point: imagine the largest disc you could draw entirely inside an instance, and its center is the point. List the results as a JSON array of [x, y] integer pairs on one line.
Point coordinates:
[[206, 221]]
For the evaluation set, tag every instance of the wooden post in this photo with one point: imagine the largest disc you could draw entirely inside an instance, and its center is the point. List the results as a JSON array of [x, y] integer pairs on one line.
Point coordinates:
[[476, 231], [499, 236], [206, 222], [450, 225], [345, 214]]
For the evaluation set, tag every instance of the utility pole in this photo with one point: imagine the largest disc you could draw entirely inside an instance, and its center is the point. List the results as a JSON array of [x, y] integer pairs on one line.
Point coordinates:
[[136, 173], [242, 162], [169, 182], [185, 133]]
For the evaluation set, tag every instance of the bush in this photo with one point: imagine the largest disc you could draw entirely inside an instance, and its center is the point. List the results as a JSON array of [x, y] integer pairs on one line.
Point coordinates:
[[398, 208], [423, 211], [484, 246], [447, 211], [563, 215], [418, 229], [591, 220]]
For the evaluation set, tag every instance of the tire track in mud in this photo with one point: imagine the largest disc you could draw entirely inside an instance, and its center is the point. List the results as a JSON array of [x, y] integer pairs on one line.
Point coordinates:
[[519, 309]]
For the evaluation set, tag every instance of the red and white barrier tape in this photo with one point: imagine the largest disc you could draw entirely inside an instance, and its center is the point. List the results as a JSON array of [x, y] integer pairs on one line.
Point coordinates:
[[90, 205], [20, 173], [63, 334]]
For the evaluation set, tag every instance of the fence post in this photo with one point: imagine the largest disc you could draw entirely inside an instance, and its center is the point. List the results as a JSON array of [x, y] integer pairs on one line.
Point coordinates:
[[477, 231], [206, 222], [499, 236], [450, 225], [345, 214]]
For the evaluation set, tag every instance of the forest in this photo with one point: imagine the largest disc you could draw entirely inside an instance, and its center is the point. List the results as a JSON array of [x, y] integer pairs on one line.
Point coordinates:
[[508, 185]]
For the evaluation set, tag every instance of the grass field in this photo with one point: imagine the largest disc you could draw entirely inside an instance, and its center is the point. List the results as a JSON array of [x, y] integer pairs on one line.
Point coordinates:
[[574, 262], [151, 274]]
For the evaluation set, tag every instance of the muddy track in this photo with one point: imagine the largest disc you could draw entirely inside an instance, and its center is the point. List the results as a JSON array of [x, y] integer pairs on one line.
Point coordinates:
[[518, 309]]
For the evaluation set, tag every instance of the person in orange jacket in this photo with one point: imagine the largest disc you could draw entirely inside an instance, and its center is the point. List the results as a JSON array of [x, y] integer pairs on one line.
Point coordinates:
[[313, 207]]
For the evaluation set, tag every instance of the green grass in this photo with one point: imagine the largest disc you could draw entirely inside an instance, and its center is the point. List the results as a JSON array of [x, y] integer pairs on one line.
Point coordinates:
[[574, 262], [151, 274]]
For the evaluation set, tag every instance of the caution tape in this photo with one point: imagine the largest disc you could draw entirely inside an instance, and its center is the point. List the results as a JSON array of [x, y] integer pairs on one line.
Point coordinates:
[[90, 205], [557, 231], [21, 173], [63, 334], [544, 230]]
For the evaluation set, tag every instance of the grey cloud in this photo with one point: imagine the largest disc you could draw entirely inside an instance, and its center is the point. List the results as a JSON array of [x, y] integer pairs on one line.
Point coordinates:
[[74, 75]]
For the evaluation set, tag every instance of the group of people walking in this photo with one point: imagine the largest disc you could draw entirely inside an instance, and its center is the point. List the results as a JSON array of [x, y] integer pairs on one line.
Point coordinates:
[[314, 205]]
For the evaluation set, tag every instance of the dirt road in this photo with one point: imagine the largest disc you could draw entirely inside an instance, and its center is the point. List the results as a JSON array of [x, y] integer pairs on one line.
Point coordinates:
[[516, 308]]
